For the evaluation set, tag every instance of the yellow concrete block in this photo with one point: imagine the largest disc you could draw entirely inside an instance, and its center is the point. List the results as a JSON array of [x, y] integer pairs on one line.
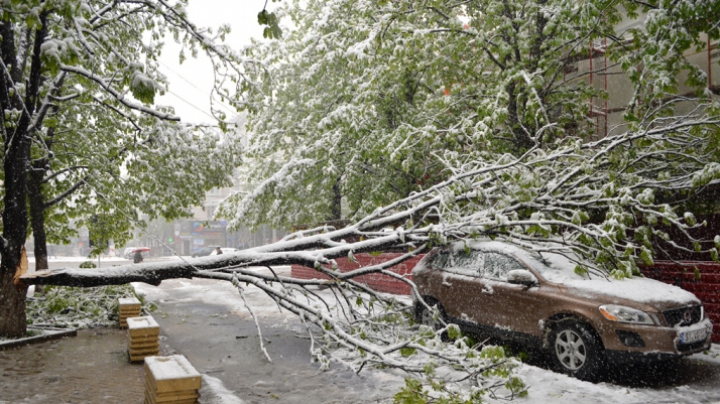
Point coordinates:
[[171, 374], [142, 326], [143, 345]]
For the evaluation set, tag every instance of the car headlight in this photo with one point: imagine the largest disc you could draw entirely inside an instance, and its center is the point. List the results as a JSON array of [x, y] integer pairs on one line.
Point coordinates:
[[624, 314]]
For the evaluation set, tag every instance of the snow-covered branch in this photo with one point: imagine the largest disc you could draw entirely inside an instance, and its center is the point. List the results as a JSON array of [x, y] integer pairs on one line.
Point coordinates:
[[116, 95]]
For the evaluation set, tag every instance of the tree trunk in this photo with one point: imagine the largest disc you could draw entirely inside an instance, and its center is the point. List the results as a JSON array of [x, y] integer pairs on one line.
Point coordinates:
[[12, 305], [15, 223], [37, 221], [336, 202], [14, 214]]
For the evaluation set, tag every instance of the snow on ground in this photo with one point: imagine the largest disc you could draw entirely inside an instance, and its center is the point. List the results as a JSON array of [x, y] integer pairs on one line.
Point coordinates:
[[76, 259], [220, 394], [701, 386]]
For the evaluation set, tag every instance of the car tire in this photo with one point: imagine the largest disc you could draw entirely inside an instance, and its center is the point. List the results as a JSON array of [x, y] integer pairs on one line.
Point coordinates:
[[576, 350]]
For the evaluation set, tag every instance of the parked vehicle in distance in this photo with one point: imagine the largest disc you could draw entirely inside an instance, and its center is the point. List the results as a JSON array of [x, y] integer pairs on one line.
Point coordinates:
[[225, 250], [129, 252], [205, 251], [538, 300]]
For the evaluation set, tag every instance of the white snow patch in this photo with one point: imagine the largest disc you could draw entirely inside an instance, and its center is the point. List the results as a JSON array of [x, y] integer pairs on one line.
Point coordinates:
[[637, 289], [217, 393]]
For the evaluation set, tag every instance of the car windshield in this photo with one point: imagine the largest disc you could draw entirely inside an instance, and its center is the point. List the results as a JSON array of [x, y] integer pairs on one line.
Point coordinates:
[[557, 267]]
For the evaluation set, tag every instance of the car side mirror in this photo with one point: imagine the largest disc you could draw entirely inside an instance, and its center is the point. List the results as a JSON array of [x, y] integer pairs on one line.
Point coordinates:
[[521, 277]]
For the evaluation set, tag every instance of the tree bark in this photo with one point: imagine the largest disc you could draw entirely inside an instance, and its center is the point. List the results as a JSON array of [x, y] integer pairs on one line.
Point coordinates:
[[17, 144], [336, 202], [215, 268], [36, 201], [37, 217], [12, 306]]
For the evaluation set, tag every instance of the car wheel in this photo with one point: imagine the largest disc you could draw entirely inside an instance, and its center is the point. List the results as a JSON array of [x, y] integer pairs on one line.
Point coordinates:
[[576, 350]]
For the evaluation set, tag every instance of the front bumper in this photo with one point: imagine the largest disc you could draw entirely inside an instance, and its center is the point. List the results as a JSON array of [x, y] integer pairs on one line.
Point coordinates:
[[659, 342]]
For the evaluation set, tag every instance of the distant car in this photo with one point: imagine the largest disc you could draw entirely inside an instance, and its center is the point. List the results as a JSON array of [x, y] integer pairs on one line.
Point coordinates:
[[225, 250], [539, 300], [205, 251], [129, 252]]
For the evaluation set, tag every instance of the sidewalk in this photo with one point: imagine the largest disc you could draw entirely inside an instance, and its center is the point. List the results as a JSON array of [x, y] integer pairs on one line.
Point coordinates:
[[206, 321], [87, 369], [90, 368]]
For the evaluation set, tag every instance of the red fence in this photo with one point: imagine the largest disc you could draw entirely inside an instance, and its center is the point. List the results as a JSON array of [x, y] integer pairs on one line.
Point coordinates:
[[376, 281], [704, 283]]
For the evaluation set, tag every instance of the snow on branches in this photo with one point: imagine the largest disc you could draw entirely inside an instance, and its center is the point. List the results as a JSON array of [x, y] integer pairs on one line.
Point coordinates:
[[434, 128], [594, 198]]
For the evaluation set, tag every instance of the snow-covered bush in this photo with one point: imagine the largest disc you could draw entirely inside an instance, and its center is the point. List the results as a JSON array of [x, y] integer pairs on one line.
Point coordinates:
[[62, 306]]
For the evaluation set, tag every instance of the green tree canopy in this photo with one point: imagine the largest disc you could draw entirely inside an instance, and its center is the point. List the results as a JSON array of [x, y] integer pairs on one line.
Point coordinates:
[[371, 101], [81, 133]]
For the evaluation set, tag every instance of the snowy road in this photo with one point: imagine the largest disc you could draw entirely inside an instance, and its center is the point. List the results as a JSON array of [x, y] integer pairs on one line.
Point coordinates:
[[207, 322]]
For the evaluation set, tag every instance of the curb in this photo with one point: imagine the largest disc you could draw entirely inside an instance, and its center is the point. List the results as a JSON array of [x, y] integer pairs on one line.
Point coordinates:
[[53, 334]]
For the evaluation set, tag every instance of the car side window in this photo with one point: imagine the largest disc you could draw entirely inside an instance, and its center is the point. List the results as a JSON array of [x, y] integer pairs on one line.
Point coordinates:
[[440, 260], [466, 263], [497, 265]]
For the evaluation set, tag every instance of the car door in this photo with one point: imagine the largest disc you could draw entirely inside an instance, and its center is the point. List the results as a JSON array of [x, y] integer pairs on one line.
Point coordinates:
[[460, 284], [510, 308]]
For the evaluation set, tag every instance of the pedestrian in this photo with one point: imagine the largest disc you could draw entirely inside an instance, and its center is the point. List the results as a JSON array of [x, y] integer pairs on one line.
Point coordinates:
[[137, 257], [218, 251]]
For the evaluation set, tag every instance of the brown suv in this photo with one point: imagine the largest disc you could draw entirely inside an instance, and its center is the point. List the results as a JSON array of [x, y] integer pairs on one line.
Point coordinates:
[[539, 299]]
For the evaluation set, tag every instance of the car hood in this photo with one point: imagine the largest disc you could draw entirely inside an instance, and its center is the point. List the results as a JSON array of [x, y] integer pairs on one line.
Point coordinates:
[[647, 292]]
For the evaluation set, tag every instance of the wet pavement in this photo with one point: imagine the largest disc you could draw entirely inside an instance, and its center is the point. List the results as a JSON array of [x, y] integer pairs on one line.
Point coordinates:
[[89, 368]]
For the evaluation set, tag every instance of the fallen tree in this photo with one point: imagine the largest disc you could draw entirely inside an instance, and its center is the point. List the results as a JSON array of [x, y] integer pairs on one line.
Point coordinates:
[[605, 200], [589, 198]]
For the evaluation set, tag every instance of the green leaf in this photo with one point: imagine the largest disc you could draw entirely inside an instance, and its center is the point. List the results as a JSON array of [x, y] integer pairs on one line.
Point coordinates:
[[454, 332], [646, 256]]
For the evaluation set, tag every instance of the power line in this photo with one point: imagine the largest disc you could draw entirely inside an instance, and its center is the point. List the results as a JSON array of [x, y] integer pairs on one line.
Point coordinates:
[[226, 107], [191, 104]]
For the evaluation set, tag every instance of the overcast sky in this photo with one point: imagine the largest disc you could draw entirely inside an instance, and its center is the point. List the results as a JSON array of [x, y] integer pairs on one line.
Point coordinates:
[[191, 82]]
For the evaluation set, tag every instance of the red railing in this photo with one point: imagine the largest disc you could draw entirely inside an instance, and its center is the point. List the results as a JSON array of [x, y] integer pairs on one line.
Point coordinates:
[[376, 281]]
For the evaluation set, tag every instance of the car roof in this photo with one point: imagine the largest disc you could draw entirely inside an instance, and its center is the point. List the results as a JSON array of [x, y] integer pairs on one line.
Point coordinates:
[[556, 264]]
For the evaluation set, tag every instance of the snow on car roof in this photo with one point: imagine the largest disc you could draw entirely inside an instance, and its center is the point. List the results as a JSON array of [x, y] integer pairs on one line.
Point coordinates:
[[559, 267]]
